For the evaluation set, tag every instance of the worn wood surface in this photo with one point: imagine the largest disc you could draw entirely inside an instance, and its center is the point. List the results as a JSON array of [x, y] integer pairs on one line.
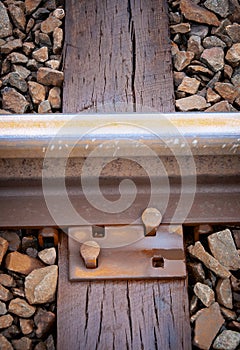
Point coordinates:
[[117, 56], [121, 315]]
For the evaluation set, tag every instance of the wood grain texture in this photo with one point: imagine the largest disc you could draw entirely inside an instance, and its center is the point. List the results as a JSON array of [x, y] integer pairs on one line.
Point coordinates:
[[121, 315], [117, 57]]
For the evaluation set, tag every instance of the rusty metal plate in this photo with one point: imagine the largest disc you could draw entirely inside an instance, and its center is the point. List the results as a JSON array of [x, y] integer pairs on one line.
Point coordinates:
[[127, 254]]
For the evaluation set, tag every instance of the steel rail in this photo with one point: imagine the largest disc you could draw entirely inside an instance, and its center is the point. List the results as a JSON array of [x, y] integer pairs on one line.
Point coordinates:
[[191, 147]]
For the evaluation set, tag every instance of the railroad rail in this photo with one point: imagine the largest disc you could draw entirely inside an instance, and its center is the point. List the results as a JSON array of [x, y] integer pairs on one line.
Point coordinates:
[[199, 161]]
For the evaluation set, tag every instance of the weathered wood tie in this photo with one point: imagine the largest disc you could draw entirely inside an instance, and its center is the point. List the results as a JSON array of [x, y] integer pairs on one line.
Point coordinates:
[[117, 58]]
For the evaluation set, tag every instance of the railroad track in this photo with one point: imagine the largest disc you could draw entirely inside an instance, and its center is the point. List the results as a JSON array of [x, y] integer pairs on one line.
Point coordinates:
[[68, 170]]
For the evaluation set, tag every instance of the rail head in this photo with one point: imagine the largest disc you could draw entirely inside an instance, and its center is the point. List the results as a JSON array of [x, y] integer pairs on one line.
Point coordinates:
[[32, 135]]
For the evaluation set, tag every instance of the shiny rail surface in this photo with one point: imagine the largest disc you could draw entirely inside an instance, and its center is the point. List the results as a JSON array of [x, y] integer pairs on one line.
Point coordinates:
[[177, 160]]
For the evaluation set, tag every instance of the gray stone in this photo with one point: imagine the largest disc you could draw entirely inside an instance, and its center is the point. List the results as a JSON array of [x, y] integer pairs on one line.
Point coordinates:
[[209, 261], [204, 293], [3, 309], [41, 284], [221, 7], [213, 41], [16, 57], [13, 239], [44, 107], [5, 24], [48, 256], [227, 340], [224, 293], [15, 80], [21, 308], [11, 46], [199, 30], [5, 344], [22, 71], [224, 250], [233, 31], [214, 58]]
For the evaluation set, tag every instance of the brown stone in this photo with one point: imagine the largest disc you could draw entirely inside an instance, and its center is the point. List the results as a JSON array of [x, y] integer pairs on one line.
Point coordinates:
[[207, 326], [199, 70], [28, 47], [174, 48], [18, 16], [37, 92], [5, 344], [54, 64], [59, 13], [57, 40], [5, 24], [222, 106], [204, 293], [21, 308], [189, 85], [26, 326], [41, 55], [50, 24], [236, 236], [44, 321], [228, 71], [23, 343], [234, 325], [233, 55], [54, 97], [213, 41], [40, 346], [48, 76], [209, 261], [31, 5], [224, 250], [22, 263], [178, 77], [224, 293], [191, 103], [5, 294], [18, 292], [197, 13], [3, 248], [212, 96], [194, 45], [6, 280], [214, 58], [14, 101], [180, 28], [182, 59], [41, 284], [11, 46], [228, 314], [227, 91], [233, 31], [6, 321]]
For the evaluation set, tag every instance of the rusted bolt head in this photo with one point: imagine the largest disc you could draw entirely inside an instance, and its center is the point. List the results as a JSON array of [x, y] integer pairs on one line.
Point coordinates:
[[90, 251], [151, 218]]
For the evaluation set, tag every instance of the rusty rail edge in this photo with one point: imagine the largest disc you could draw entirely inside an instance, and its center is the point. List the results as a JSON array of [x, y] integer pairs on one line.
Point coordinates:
[[201, 147]]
